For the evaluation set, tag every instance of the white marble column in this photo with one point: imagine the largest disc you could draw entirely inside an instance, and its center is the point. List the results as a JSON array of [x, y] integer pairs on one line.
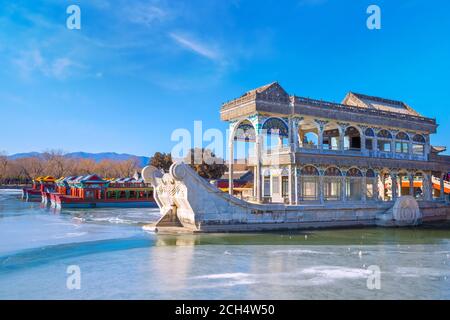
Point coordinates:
[[442, 186], [320, 127], [427, 187], [376, 192], [321, 191], [291, 186], [364, 187], [255, 183], [427, 147], [296, 188], [394, 186], [258, 166], [411, 184], [410, 147], [382, 191], [394, 134], [343, 187], [363, 139], [341, 137], [230, 165], [375, 145]]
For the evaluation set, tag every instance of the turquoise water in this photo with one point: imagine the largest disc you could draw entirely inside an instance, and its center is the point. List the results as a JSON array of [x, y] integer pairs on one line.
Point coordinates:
[[119, 260]]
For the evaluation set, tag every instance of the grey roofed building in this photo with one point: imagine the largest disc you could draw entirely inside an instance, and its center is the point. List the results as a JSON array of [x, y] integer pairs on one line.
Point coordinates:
[[361, 149]]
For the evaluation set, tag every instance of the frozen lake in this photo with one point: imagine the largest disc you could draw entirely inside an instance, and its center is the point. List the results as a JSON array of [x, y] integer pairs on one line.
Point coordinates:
[[119, 260]]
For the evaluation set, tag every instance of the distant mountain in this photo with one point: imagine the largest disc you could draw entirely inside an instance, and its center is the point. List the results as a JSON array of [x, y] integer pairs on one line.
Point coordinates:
[[143, 161], [24, 155]]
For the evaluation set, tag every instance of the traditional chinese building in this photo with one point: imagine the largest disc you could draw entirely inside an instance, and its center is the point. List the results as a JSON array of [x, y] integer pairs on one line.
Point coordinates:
[[363, 149], [366, 161]]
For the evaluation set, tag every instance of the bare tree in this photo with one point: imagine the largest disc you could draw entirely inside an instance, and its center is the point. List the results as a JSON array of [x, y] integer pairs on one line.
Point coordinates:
[[3, 165], [128, 167], [56, 162], [31, 168]]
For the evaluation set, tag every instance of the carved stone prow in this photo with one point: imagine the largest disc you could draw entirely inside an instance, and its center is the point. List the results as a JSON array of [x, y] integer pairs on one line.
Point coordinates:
[[159, 181]]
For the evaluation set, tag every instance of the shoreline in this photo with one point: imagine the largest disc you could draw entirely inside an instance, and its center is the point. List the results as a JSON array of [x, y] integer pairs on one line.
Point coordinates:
[[16, 186]]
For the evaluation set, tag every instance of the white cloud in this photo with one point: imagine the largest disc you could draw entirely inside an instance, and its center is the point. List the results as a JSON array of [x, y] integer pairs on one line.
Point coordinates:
[[60, 66], [195, 46], [32, 61], [145, 14]]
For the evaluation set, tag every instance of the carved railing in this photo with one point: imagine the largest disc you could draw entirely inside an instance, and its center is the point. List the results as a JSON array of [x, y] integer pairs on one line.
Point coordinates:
[[377, 112], [236, 102]]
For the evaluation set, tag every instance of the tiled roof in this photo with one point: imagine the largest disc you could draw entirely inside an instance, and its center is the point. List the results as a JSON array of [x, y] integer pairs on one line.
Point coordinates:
[[261, 89], [372, 102]]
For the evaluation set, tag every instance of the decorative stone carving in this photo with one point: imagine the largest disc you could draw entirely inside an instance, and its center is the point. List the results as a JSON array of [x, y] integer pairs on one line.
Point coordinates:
[[406, 211]]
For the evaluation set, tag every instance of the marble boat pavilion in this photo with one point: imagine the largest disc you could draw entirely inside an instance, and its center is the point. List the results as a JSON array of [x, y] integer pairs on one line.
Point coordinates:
[[363, 149]]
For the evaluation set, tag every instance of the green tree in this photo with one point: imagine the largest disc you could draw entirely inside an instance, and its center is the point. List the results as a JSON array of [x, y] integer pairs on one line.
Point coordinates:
[[161, 160]]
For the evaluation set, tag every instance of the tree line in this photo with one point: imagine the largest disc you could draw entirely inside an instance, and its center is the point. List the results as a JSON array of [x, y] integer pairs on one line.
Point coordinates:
[[56, 164]]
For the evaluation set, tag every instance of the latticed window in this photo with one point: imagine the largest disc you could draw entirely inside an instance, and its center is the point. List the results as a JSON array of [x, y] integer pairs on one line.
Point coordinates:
[[332, 183], [384, 140], [401, 143], [384, 145], [266, 186], [401, 147], [353, 188], [370, 184], [418, 144], [284, 186], [309, 183]]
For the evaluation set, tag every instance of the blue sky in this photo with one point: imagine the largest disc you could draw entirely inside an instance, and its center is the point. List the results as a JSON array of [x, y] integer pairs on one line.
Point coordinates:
[[137, 70]]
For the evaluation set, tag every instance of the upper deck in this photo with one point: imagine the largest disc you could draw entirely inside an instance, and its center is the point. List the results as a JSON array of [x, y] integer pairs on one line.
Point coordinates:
[[273, 100]]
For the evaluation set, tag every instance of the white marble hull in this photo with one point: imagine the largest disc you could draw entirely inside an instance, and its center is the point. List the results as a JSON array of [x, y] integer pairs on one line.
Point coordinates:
[[188, 201]]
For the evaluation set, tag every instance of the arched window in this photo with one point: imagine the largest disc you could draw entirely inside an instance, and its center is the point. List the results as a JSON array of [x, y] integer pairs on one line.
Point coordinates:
[[384, 134], [276, 126], [370, 184], [276, 132], [309, 183], [310, 140], [418, 145], [332, 184], [419, 138], [308, 134], [369, 138], [369, 132], [384, 140], [245, 132], [353, 186], [331, 136], [401, 142], [402, 136], [352, 139]]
